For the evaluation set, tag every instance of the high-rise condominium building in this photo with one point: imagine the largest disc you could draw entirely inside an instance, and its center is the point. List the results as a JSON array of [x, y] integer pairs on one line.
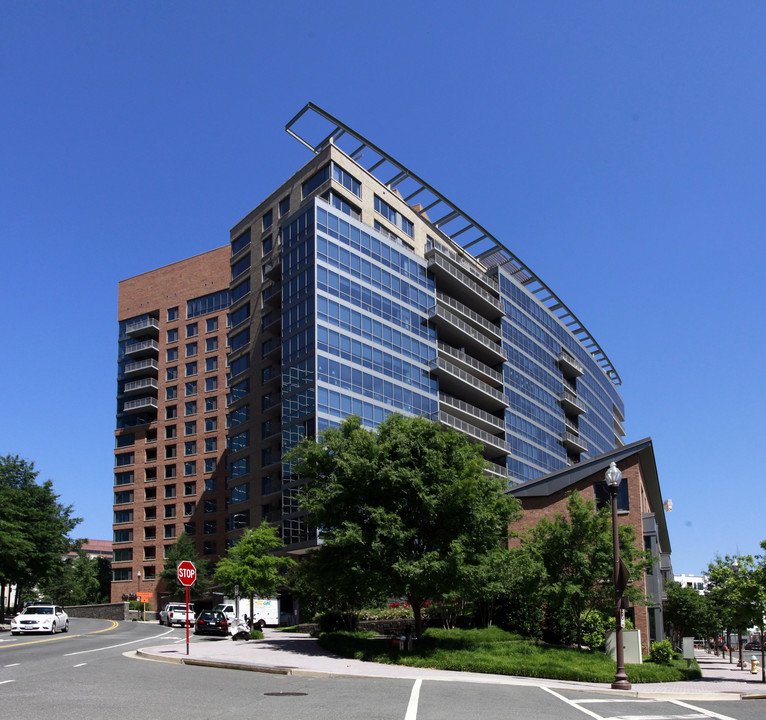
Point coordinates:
[[357, 288]]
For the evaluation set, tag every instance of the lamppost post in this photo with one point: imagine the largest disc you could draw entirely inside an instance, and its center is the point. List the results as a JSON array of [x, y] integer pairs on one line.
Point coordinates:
[[139, 594], [613, 479]]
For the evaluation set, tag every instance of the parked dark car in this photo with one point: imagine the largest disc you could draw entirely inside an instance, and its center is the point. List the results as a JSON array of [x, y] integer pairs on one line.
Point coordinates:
[[211, 623]]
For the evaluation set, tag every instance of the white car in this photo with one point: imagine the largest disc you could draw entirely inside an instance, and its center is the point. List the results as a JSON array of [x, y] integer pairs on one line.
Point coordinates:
[[40, 618], [175, 614]]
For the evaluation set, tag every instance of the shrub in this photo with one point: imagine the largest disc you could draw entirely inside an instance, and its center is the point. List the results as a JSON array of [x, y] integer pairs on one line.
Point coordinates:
[[661, 653], [256, 634]]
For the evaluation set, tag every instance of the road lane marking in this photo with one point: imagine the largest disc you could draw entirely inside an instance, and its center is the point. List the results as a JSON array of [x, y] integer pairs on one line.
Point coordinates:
[[12, 665], [79, 665], [109, 647], [3, 682], [709, 713], [412, 706], [35, 642]]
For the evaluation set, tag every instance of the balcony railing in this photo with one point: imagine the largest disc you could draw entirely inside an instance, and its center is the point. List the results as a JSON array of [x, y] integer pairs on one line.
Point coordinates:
[[143, 347], [574, 442], [141, 366], [140, 404], [143, 326], [490, 441], [569, 365], [449, 323], [473, 317], [571, 402]]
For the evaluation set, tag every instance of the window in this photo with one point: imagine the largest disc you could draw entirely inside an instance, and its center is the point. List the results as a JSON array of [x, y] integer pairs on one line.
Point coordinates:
[[171, 373], [211, 324], [189, 508], [240, 266], [211, 384], [211, 364], [170, 432], [604, 499], [125, 440], [266, 457], [240, 365], [170, 471], [240, 242], [211, 344], [241, 290], [123, 516], [150, 553], [394, 217], [151, 455], [267, 244], [171, 392], [190, 388], [192, 330], [150, 494], [315, 181], [123, 478], [123, 497], [211, 424], [123, 535], [150, 475], [190, 408], [208, 548], [123, 555], [210, 506], [210, 485], [172, 314], [190, 488], [190, 427], [190, 467], [120, 574], [170, 451], [170, 532], [171, 354], [211, 445], [170, 491], [240, 340], [190, 528], [150, 514], [239, 442], [150, 533], [173, 335], [191, 349], [240, 315], [268, 219], [348, 182], [211, 404], [210, 527], [190, 447], [240, 493], [171, 412], [209, 465], [238, 391], [208, 304], [240, 467], [191, 369], [123, 459], [170, 512], [284, 206]]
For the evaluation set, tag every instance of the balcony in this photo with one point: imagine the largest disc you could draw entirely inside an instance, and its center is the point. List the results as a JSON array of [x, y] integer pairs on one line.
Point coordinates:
[[273, 296], [452, 330], [571, 403], [456, 282], [272, 269], [437, 249], [142, 367], [466, 387], [140, 404], [573, 443], [136, 386], [143, 348], [472, 318], [471, 414], [569, 366], [494, 447], [144, 326], [471, 365]]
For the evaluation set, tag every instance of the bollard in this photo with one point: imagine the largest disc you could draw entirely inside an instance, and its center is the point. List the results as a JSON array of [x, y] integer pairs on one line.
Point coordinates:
[[753, 665]]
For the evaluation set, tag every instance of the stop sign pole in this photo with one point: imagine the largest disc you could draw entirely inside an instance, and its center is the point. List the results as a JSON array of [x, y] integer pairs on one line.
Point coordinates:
[[187, 575]]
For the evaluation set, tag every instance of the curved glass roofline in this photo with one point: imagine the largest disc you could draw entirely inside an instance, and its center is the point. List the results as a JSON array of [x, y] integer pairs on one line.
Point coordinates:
[[428, 202]]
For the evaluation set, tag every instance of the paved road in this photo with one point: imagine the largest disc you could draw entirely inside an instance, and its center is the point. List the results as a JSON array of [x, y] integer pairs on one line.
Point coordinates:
[[92, 673]]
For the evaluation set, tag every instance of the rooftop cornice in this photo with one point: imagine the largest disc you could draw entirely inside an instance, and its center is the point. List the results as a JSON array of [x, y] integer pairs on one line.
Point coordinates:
[[450, 220]]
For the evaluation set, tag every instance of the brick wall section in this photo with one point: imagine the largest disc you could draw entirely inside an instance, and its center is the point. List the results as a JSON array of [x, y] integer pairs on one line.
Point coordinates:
[[535, 508]]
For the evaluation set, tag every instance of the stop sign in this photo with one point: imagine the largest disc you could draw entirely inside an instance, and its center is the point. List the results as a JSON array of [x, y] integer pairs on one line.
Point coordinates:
[[187, 573]]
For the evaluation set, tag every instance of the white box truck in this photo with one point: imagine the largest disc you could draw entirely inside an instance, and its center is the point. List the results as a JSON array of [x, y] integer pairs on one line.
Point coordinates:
[[266, 609]]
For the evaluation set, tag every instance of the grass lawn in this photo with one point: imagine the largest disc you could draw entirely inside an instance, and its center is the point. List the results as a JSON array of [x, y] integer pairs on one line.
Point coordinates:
[[495, 651]]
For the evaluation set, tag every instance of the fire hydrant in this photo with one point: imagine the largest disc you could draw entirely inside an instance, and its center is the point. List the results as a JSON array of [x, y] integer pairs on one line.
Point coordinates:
[[753, 665]]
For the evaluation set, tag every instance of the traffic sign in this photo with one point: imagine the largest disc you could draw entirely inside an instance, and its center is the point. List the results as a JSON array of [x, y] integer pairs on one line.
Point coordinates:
[[187, 573]]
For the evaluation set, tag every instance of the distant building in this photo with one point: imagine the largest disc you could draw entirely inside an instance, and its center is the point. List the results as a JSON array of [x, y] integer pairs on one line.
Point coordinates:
[[95, 548], [698, 582]]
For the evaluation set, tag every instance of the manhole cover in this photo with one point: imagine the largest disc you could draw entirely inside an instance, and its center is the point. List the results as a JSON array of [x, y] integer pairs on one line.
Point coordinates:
[[285, 694]]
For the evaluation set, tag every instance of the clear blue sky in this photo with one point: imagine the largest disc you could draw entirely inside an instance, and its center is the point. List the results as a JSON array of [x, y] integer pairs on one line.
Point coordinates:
[[617, 148]]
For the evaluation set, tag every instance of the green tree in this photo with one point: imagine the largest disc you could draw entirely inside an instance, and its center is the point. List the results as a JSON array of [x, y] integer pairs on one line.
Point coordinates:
[[252, 565], [34, 527], [407, 507], [689, 614], [183, 549], [577, 553], [75, 582]]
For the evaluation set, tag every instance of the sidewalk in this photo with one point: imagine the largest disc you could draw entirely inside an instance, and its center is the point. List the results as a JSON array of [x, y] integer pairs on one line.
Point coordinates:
[[298, 654]]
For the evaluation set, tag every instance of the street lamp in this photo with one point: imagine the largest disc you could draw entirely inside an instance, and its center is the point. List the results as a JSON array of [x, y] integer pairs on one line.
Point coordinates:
[[613, 479]]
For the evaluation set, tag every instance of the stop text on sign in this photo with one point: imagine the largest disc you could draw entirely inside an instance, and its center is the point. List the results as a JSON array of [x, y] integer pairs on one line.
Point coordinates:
[[187, 573]]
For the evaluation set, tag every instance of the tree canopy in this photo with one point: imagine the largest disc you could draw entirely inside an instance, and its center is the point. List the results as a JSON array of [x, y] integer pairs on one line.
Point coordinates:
[[183, 549], [251, 564], [576, 551], [34, 526], [406, 510]]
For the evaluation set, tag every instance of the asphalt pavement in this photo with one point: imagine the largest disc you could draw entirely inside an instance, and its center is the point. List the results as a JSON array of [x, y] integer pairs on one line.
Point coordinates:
[[299, 654]]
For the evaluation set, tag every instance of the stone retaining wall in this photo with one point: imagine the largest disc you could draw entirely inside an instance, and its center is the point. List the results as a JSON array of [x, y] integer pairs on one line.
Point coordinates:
[[107, 611]]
